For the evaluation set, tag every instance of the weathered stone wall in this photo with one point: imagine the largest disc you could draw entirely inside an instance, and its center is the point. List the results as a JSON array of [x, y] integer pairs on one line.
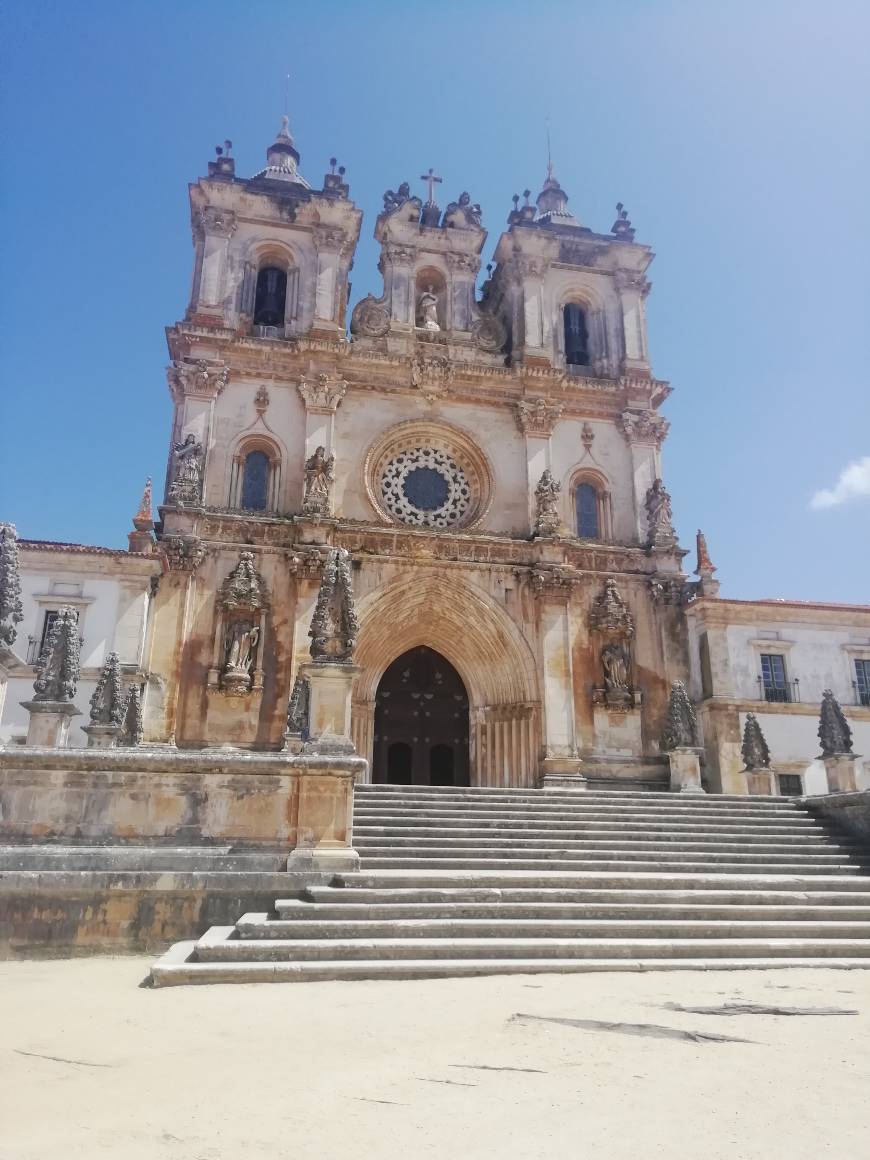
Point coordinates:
[[851, 811], [162, 796]]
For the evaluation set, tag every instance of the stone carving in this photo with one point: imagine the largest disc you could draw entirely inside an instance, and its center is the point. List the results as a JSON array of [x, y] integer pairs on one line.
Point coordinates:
[[667, 590], [681, 728], [319, 478], [370, 318], [183, 553], [107, 703], [426, 487], [643, 427], [587, 436], [431, 376], [244, 602], [323, 395], [57, 669], [394, 200], [462, 214], [298, 709], [550, 582], [261, 401], [187, 458], [427, 310], [609, 614], [334, 626], [212, 220], [398, 255], [631, 280], [659, 517], [11, 611], [610, 617], [705, 564], [548, 522], [834, 731], [622, 228], [304, 563], [199, 377], [756, 754], [488, 334], [537, 417], [132, 727]]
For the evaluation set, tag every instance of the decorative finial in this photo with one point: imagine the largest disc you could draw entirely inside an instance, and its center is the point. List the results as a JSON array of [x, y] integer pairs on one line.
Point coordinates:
[[527, 193], [333, 161], [549, 154], [516, 200], [834, 731], [431, 181], [705, 566], [11, 608], [622, 226], [145, 513]]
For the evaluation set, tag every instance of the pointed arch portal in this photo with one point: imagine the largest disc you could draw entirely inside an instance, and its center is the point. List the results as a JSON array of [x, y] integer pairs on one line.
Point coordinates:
[[421, 722]]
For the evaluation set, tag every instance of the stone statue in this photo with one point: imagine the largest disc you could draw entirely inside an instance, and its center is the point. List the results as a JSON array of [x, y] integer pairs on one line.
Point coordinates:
[[681, 728], [370, 318], [186, 486], [57, 670], [834, 731], [462, 212], [241, 643], [394, 200], [427, 310], [548, 522], [11, 611], [616, 662], [319, 478], [107, 704], [659, 516], [334, 625], [756, 754]]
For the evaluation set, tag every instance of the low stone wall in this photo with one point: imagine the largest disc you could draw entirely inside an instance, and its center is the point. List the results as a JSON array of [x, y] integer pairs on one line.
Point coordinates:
[[105, 850], [176, 797], [850, 811]]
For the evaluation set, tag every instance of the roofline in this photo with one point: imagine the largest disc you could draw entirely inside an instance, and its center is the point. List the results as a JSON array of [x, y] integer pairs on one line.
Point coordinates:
[[81, 549], [716, 601]]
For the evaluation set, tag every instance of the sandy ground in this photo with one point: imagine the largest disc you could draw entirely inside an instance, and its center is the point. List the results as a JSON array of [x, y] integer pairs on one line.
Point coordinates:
[[413, 1069]]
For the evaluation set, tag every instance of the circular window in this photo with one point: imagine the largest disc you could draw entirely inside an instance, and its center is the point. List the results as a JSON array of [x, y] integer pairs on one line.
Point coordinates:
[[427, 475], [425, 486]]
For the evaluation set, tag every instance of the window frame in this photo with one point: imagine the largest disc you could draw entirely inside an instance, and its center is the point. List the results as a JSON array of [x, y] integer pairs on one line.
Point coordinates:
[[275, 458]]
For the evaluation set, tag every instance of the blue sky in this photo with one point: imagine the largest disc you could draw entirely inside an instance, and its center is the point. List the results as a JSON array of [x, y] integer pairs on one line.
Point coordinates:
[[735, 134]]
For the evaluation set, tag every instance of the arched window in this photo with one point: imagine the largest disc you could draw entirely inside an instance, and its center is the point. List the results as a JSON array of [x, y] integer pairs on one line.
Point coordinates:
[[587, 504], [255, 482], [576, 336], [270, 298]]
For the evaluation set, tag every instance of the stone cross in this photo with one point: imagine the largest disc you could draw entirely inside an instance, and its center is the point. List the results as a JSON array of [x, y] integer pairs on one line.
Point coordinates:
[[431, 181]]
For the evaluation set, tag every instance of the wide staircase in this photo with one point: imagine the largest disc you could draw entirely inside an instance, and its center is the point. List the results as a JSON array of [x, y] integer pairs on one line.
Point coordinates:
[[486, 881]]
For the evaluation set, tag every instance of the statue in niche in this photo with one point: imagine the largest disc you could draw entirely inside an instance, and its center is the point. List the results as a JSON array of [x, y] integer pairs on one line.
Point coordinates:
[[427, 310], [319, 478], [659, 514], [239, 651], [616, 663], [187, 482]]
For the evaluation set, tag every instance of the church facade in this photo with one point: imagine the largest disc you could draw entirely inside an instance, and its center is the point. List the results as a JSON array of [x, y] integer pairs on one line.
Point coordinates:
[[489, 460]]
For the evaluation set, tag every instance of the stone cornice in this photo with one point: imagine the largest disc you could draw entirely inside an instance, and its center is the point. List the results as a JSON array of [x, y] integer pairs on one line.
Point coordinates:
[[722, 613]]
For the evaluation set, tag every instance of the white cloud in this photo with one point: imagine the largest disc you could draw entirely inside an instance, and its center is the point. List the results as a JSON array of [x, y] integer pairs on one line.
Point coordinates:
[[854, 482]]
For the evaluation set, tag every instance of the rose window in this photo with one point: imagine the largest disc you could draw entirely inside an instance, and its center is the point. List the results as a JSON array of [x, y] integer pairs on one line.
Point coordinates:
[[425, 486]]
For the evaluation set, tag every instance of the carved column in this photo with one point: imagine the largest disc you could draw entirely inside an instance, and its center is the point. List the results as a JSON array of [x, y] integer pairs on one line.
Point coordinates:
[[532, 273], [552, 587], [213, 229], [536, 418], [194, 384], [331, 245], [463, 269], [397, 285], [644, 432], [632, 289], [173, 614]]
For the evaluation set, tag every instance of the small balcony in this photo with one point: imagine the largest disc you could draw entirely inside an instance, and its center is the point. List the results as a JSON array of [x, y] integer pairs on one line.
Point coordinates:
[[779, 692]]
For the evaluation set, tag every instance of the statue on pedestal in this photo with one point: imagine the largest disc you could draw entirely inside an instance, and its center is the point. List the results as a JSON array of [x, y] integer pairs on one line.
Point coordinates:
[[186, 486], [548, 522], [427, 310], [319, 478], [660, 516]]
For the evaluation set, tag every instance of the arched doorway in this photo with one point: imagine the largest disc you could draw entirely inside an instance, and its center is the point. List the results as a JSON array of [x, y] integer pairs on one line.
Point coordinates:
[[421, 722]]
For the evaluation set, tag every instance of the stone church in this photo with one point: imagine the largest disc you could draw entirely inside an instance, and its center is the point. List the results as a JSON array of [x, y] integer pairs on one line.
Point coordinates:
[[490, 460]]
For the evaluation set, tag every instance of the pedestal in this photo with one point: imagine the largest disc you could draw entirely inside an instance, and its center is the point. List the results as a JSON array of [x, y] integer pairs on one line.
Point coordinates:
[[686, 770], [49, 722], [102, 736], [324, 819], [841, 771], [760, 782], [329, 707]]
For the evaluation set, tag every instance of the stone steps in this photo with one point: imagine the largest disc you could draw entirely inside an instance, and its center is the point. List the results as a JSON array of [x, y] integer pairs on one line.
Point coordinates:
[[473, 882]]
